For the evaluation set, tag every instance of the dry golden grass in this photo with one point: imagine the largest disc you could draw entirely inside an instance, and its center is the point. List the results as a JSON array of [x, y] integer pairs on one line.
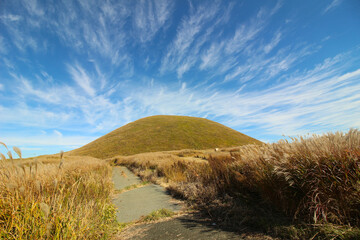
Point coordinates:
[[316, 178], [60, 199], [162, 167]]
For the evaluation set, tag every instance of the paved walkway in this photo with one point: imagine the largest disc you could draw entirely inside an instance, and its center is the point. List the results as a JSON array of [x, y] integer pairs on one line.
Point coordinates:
[[123, 177], [187, 227], [140, 201], [133, 204]]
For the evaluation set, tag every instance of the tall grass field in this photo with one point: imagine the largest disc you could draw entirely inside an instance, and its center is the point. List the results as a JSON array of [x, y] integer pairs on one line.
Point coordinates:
[[62, 199]]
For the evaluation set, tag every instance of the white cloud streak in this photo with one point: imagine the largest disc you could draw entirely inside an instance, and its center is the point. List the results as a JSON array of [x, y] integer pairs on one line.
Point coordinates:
[[10, 17], [332, 5], [90, 27], [20, 36], [2, 45], [57, 133], [273, 43], [190, 37], [150, 17], [87, 27], [243, 56], [88, 109], [79, 75], [34, 8]]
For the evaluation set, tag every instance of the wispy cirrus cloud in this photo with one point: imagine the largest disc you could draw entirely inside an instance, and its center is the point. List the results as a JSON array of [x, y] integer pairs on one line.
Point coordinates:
[[317, 100], [150, 17], [94, 28], [34, 8], [199, 41], [87, 109], [10, 17], [84, 27], [332, 5], [273, 43], [188, 39], [2, 45], [19, 34], [261, 67], [79, 75], [244, 55]]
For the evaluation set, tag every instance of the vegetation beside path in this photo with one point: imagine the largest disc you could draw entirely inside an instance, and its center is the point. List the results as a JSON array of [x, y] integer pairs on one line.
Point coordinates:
[[55, 198], [306, 188]]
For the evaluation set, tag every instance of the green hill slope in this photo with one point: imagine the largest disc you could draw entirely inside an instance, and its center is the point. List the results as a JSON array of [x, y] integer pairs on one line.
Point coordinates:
[[164, 133]]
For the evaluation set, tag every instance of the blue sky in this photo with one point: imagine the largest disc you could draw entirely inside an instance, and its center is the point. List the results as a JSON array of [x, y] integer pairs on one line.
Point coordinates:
[[71, 71]]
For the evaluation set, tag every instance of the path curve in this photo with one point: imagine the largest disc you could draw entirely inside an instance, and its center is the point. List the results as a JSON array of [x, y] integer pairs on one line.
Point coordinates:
[[139, 201]]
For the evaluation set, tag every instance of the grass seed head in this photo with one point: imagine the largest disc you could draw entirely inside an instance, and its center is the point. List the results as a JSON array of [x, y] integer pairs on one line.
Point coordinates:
[[18, 151], [49, 226], [1, 143], [10, 155], [61, 164], [11, 187], [38, 185], [45, 209], [22, 189], [55, 182]]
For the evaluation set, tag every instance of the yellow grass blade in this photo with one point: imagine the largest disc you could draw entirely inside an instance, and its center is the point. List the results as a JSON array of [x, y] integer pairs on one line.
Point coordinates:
[[18, 151], [10, 155], [1, 143], [2, 156]]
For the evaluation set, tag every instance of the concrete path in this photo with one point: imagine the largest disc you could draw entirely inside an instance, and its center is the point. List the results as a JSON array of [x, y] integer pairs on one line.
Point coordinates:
[[123, 177], [184, 227], [140, 201]]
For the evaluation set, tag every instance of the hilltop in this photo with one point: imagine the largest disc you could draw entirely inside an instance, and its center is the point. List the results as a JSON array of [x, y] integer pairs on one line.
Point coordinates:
[[164, 133]]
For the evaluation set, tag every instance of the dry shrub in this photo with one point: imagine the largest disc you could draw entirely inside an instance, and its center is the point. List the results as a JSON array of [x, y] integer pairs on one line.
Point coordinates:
[[160, 167], [195, 192], [44, 201], [315, 178]]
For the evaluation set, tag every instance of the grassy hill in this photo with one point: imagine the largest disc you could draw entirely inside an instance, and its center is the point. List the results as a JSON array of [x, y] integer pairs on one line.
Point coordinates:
[[163, 133]]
